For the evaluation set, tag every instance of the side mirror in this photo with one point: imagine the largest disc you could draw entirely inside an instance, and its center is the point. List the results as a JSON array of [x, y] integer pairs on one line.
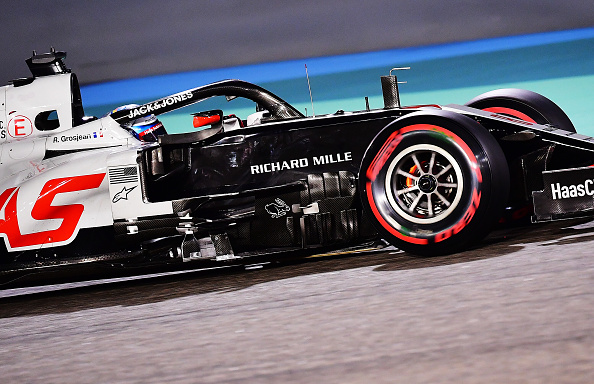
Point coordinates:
[[213, 118]]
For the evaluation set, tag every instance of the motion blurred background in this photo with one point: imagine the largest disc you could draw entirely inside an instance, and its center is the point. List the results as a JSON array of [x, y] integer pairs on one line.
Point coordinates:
[[137, 51]]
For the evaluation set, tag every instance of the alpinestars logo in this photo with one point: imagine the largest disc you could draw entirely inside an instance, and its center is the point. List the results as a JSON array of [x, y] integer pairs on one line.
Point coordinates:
[[122, 195], [559, 191]]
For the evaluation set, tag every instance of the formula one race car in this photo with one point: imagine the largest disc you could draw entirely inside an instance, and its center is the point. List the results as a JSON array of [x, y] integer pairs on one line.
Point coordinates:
[[120, 191]]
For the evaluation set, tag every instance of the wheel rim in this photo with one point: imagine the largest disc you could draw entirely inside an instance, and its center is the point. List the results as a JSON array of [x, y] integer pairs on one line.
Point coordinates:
[[424, 184]]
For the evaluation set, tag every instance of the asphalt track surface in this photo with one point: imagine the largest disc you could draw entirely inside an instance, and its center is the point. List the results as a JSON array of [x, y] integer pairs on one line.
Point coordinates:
[[517, 309]]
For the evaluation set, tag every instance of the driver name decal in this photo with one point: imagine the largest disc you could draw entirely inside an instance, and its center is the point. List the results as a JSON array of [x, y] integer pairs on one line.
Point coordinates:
[[301, 163], [86, 136], [44, 210]]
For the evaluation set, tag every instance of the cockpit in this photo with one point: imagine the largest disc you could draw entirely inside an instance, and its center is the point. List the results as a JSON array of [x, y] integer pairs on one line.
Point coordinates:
[[50, 102], [269, 108]]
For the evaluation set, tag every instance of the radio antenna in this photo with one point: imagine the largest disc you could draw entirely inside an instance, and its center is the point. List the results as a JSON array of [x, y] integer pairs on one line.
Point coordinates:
[[313, 112]]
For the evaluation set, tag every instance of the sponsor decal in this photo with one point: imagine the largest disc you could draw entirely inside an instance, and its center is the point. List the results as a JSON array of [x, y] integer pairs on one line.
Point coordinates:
[[20, 126], [301, 163], [123, 194], [277, 209], [2, 130], [568, 192], [330, 159], [44, 210], [153, 107], [279, 166], [150, 130], [559, 191]]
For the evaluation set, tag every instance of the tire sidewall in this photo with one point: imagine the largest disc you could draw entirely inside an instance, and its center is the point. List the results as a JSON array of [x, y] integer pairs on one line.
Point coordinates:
[[522, 103]]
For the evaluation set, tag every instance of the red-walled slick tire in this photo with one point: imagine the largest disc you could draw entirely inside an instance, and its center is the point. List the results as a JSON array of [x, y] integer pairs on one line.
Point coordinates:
[[524, 105], [434, 182]]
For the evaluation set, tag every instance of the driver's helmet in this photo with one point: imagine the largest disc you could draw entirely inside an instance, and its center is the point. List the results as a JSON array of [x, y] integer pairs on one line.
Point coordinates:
[[146, 128]]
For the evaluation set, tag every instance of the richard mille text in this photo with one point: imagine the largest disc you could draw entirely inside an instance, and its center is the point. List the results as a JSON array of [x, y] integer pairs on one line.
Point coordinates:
[[301, 163]]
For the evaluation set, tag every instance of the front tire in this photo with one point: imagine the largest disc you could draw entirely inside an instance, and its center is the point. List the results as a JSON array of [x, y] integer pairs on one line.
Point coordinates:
[[434, 182]]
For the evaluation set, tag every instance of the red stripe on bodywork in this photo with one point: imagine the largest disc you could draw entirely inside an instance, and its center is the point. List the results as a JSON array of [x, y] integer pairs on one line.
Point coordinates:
[[510, 112], [44, 210]]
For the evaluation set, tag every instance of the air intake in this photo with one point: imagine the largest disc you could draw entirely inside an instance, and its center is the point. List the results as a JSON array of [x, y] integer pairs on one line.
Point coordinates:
[[47, 64]]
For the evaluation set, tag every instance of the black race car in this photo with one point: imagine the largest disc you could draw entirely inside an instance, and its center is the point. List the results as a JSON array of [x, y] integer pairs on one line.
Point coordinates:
[[119, 191]]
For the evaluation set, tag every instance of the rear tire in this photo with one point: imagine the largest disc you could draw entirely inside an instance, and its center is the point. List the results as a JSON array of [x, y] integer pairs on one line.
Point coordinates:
[[434, 182], [524, 105], [528, 106]]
